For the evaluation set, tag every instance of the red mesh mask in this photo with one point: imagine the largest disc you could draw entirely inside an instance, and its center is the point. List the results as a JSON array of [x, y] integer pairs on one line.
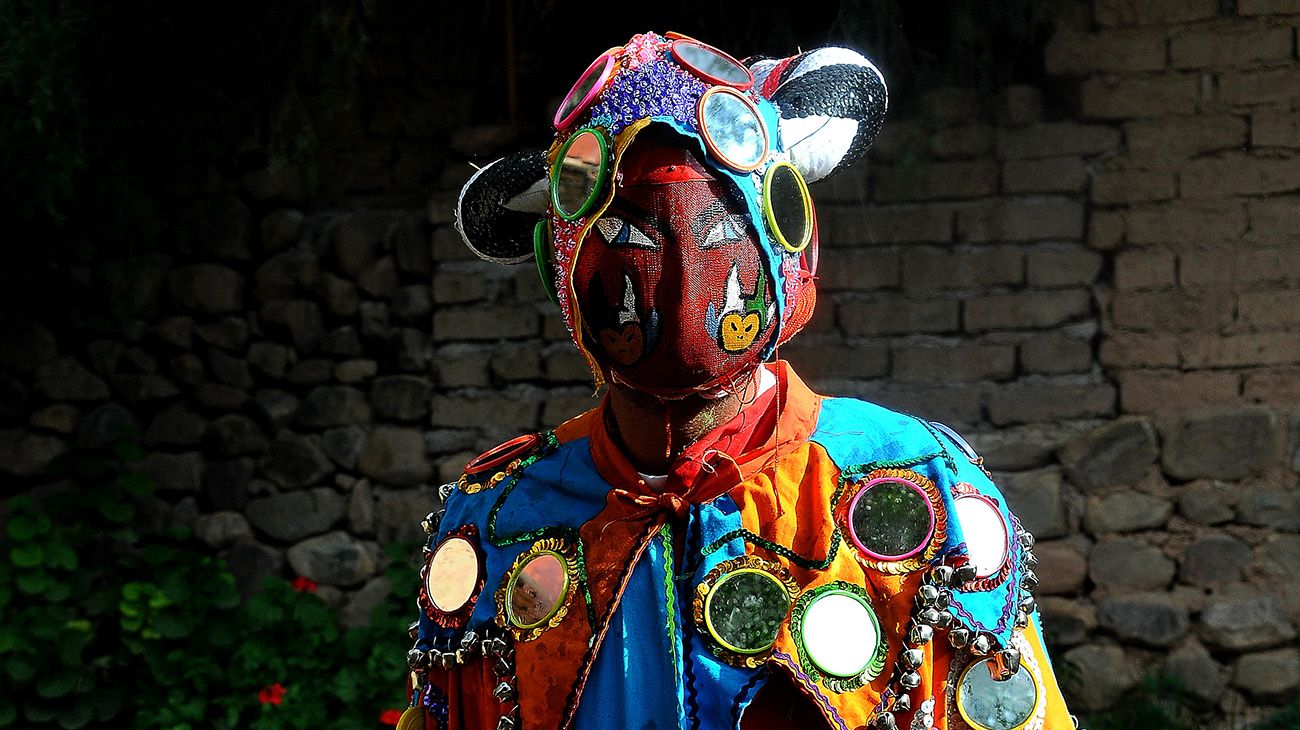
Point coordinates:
[[669, 280]]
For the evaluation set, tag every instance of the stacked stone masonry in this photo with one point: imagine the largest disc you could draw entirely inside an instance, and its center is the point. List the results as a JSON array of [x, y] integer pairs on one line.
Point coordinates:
[[1106, 302]]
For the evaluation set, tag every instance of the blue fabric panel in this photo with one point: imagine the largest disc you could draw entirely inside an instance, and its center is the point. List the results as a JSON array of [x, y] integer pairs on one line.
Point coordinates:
[[856, 433], [631, 684], [563, 487], [717, 693]]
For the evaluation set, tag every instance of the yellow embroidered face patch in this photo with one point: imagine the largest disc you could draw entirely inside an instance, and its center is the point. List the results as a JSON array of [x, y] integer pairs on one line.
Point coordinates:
[[738, 331]]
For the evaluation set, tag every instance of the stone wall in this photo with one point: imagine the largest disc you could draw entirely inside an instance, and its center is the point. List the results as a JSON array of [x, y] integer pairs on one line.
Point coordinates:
[[1098, 282]]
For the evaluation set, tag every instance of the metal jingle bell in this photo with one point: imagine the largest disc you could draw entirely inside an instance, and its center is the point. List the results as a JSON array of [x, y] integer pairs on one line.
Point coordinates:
[[494, 646], [945, 620], [446, 660], [927, 595], [417, 659], [1027, 604], [902, 703], [920, 634], [981, 645], [959, 637], [430, 522], [445, 490], [1004, 664], [909, 680], [942, 575], [1029, 560], [506, 723], [963, 575], [468, 641], [929, 616], [912, 658], [1022, 619], [885, 721], [503, 692], [502, 667], [1029, 581], [941, 602], [413, 630], [1026, 539]]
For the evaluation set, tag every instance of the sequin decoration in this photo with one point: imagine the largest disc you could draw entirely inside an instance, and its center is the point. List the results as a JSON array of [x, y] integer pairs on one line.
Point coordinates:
[[742, 603], [839, 637]]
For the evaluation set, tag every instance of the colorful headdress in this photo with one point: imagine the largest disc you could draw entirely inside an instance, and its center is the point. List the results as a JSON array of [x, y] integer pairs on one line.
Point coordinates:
[[768, 128]]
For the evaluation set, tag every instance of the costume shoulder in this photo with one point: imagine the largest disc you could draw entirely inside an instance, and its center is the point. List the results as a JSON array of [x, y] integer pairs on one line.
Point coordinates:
[[508, 497], [911, 469]]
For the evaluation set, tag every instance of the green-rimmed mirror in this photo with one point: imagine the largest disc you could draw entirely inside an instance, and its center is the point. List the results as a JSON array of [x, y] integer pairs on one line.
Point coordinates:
[[537, 590], [579, 173]]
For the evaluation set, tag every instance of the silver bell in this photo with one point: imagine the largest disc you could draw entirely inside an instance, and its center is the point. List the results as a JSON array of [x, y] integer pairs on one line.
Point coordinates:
[[920, 634], [963, 575], [902, 703], [885, 721], [506, 723], [912, 658], [1004, 664], [413, 630], [981, 645], [958, 637], [417, 659], [942, 575], [910, 680], [503, 692]]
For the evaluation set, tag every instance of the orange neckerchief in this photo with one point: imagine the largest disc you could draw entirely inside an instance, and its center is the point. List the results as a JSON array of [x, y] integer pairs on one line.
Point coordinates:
[[779, 420]]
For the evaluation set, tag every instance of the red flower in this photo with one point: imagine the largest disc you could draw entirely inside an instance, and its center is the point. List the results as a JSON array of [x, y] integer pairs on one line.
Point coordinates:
[[271, 694], [390, 717], [303, 584]]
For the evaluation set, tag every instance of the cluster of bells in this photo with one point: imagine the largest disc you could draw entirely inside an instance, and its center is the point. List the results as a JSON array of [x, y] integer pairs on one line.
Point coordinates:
[[929, 615], [493, 645]]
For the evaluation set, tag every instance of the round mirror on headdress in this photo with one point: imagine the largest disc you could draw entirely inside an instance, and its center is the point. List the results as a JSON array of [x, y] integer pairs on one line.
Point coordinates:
[[711, 64], [579, 173], [788, 206], [453, 574], [585, 89], [732, 128]]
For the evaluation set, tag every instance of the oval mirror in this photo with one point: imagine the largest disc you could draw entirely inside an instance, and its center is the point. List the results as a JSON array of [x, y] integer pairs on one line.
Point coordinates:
[[537, 590], [579, 173], [984, 531], [589, 84], [711, 64], [745, 609], [453, 574], [732, 129], [993, 704], [788, 206], [891, 519]]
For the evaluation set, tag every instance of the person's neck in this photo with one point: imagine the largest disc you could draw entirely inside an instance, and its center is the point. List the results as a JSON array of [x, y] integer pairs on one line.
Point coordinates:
[[653, 431]]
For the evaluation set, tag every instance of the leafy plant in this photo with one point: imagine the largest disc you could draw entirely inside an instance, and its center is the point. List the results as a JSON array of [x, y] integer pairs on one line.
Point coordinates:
[[106, 622]]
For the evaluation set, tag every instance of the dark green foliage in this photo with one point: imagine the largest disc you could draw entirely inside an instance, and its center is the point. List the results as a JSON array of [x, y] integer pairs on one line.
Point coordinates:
[[106, 623]]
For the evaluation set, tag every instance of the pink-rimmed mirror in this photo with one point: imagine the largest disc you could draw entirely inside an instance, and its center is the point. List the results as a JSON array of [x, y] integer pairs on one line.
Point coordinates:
[[588, 86]]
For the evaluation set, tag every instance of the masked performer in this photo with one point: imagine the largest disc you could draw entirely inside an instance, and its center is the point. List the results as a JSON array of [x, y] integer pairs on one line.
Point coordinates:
[[714, 545]]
